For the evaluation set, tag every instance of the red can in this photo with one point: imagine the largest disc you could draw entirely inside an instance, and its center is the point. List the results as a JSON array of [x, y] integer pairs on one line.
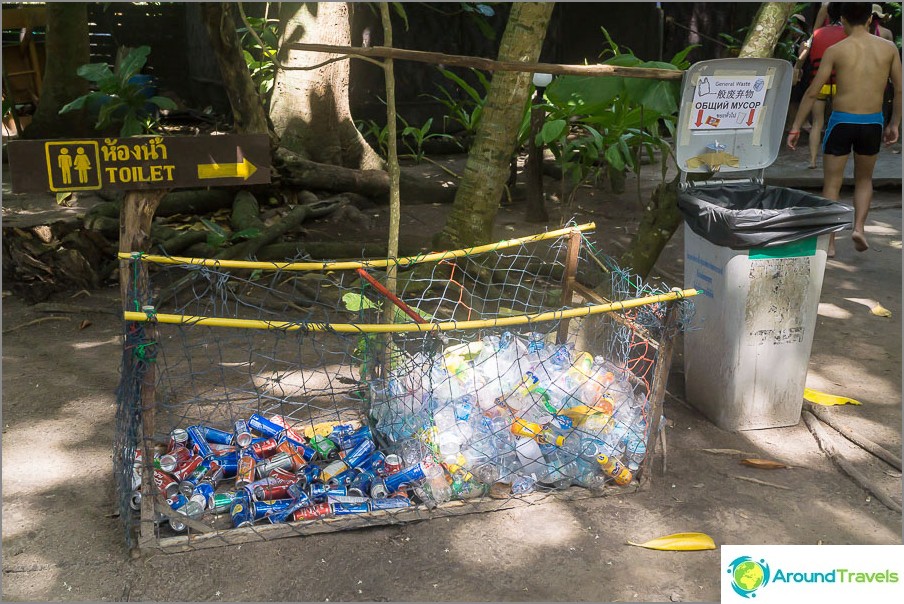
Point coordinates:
[[393, 464], [218, 449], [265, 448], [187, 467], [177, 455], [298, 461], [313, 512], [245, 472], [289, 431], [165, 483], [283, 476], [265, 492]]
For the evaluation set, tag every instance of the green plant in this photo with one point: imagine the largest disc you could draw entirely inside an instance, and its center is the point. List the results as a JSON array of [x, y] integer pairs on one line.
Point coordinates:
[[259, 55], [218, 237], [376, 133], [120, 97], [414, 137], [788, 44], [468, 111]]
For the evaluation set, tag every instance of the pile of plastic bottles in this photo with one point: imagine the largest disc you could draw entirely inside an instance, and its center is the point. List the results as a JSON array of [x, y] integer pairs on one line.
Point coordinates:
[[515, 410], [264, 470]]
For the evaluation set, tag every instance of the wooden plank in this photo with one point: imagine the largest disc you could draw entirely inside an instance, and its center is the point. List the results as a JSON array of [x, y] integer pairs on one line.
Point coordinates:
[[592, 296], [24, 17], [268, 532], [569, 280]]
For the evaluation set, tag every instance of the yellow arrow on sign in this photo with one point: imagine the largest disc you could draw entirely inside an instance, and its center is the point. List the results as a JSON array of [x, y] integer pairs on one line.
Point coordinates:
[[242, 170]]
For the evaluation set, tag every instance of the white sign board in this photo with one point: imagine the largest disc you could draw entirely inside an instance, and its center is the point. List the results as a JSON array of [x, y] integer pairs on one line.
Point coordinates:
[[727, 102]]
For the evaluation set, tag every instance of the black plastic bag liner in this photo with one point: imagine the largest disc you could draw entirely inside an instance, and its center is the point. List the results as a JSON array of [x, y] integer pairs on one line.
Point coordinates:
[[744, 216]]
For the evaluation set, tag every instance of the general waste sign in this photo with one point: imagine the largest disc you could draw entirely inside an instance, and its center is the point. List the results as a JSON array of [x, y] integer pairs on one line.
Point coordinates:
[[142, 162], [727, 102]]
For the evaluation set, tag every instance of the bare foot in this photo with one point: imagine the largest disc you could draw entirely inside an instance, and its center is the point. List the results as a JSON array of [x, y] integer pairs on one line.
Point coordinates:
[[860, 243], [811, 167]]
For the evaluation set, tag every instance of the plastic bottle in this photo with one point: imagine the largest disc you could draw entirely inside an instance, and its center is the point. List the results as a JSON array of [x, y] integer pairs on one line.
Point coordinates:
[[436, 482], [530, 456], [615, 470], [524, 484]]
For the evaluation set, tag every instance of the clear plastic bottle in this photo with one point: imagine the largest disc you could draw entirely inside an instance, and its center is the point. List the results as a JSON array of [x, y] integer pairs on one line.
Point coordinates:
[[436, 482], [524, 484]]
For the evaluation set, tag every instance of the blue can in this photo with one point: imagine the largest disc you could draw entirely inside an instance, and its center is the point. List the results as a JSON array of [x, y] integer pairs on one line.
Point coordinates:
[[241, 434], [347, 509], [342, 480], [212, 435], [378, 489], [349, 441], [177, 501], [261, 424], [297, 493], [390, 503], [229, 462], [308, 474], [340, 431], [198, 442], [361, 484], [242, 511], [262, 509], [376, 463], [206, 490], [360, 453], [317, 491], [405, 476]]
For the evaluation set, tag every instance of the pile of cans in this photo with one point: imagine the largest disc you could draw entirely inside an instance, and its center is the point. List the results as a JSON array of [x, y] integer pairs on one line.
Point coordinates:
[[266, 471]]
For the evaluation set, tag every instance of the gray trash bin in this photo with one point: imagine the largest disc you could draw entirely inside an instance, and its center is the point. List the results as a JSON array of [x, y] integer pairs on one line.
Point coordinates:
[[757, 253]]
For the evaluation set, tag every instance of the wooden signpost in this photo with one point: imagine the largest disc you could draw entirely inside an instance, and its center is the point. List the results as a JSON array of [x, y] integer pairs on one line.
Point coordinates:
[[146, 167]]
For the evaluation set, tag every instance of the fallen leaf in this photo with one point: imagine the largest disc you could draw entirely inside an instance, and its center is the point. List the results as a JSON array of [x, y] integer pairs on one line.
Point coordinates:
[[85, 323], [880, 311], [679, 542], [763, 464], [821, 398]]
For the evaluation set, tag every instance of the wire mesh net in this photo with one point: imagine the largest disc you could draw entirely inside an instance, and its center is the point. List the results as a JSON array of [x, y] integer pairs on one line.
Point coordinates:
[[280, 399]]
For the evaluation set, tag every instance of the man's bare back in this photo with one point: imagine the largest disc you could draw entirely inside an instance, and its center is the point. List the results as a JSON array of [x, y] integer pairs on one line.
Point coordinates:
[[863, 64]]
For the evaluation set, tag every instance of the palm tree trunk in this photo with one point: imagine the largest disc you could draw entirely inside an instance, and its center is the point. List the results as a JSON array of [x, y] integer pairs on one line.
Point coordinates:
[[471, 220]]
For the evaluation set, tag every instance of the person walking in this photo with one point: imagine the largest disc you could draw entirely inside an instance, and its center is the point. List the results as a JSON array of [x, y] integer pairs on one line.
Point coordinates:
[[862, 63]]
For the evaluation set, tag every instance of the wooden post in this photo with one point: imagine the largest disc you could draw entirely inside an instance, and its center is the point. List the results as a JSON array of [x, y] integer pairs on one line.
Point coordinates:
[[535, 208], [568, 281], [657, 391], [135, 221]]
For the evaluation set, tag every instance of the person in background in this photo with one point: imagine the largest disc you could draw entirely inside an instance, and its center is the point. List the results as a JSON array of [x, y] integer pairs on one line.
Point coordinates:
[[876, 27], [806, 67], [862, 63]]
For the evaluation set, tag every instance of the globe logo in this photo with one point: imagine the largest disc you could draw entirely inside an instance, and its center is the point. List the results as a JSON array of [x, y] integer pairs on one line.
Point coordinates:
[[748, 575]]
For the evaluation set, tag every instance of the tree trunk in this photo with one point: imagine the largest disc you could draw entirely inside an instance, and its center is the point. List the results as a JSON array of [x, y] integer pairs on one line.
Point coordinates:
[[309, 108], [67, 50], [248, 112], [471, 220], [662, 217]]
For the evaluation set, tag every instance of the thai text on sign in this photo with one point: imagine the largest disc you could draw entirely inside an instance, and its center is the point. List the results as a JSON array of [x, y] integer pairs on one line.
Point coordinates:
[[727, 102]]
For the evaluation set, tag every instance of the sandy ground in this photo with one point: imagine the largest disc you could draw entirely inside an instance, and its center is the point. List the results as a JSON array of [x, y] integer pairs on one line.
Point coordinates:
[[60, 541]]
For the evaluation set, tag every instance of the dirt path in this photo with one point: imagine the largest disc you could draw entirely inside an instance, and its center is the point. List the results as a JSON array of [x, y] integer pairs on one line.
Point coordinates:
[[61, 543]]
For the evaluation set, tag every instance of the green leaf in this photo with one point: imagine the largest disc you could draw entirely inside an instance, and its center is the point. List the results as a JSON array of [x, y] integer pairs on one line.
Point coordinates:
[[583, 94], [614, 158], [105, 115], [355, 302], [133, 63], [75, 105], [94, 72], [400, 11], [163, 102], [215, 240], [471, 92], [245, 234], [214, 228], [679, 60], [553, 131]]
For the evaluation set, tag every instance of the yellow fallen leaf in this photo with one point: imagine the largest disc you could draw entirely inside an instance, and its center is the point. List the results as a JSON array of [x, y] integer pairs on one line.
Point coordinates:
[[821, 398], [880, 311], [679, 542], [764, 464]]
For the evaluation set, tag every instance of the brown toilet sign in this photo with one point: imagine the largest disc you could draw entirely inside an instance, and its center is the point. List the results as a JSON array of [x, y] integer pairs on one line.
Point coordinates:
[[144, 162]]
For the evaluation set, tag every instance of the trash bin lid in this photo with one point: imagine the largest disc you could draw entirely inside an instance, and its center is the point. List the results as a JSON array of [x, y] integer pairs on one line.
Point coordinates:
[[732, 114]]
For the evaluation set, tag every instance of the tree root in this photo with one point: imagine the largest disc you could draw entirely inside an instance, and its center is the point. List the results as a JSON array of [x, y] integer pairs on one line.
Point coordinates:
[[882, 453]]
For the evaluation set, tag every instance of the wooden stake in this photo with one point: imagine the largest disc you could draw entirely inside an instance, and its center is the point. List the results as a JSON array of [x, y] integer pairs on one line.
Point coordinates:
[[568, 280]]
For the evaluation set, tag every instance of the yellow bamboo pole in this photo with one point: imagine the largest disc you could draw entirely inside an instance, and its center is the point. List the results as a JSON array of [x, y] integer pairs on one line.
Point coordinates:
[[408, 327], [352, 265]]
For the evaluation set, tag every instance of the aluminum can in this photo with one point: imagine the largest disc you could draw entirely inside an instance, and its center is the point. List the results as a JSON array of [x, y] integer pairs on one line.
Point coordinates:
[[378, 489], [177, 501], [334, 469], [308, 474], [187, 468], [313, 512], [296, 492], [205, 490], [171, 460], [178, 437], [409, 475], [192, 509], [218, 449], [199, 444], [280, 460], [262, 509], [361, 484], [265, 448], [288, 430], [228, 462], [262, 425], [298, 461], [242, 512], [245, 472], [135, 500], [347, 509], [241, 435], [390, 503], [393, 464], [361, 453], [222, 502], [213, 435], [342, 480], [353, 439], [376, 463], [283, 475], [350, 499], [341, 430], [215, 473], [263, 492], [165, 483], [325, 448], [317, 491]]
